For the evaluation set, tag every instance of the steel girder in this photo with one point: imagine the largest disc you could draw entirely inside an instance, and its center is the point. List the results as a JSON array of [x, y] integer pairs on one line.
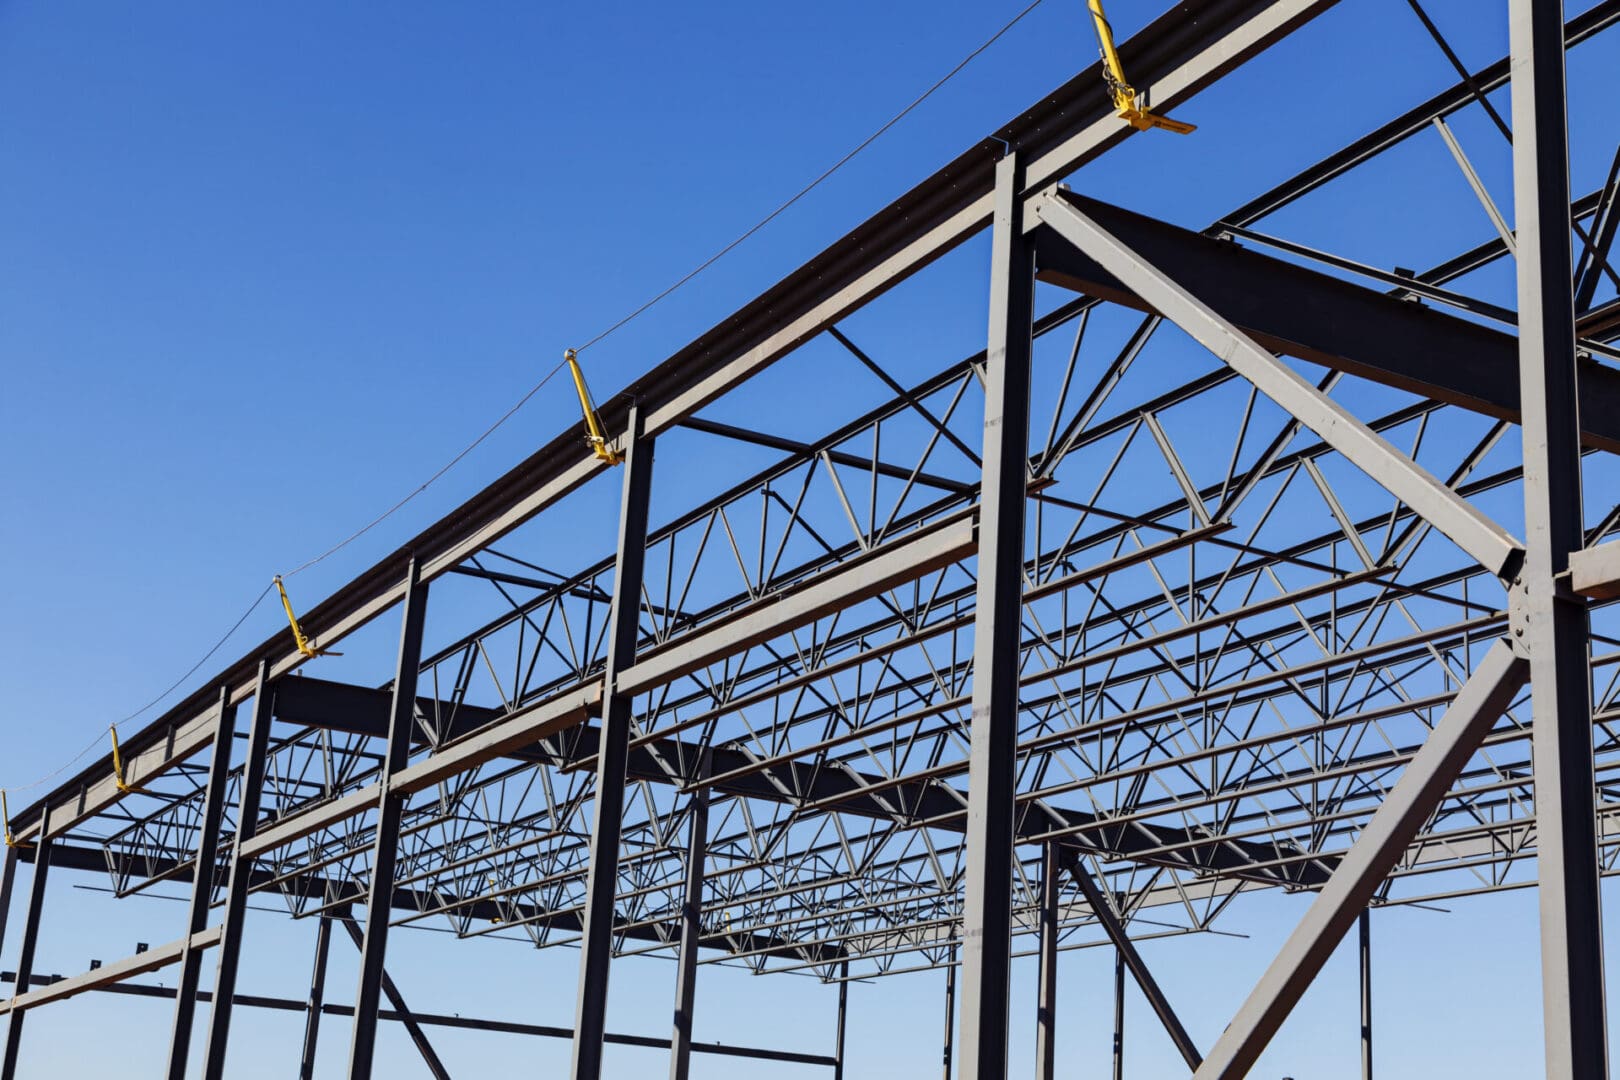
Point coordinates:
[[1225, 679]]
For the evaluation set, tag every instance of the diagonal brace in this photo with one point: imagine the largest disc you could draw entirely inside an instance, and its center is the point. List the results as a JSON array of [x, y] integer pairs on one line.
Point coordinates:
[[1483, 539], [1133, 959], [397, 1000], [1422, 787]]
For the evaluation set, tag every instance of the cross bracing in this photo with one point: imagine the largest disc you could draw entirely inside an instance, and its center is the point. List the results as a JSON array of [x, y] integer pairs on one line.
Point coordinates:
[[1262, 538]]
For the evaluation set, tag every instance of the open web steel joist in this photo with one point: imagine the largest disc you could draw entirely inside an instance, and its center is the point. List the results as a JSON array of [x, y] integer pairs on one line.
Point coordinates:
[[1228, 564]]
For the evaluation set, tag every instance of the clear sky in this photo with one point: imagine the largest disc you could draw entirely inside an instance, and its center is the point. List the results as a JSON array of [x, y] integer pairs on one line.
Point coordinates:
[[266, 267]]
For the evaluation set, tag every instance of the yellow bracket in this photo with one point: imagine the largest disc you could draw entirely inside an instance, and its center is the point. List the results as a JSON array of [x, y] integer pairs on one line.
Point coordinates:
[[305, 645], [593, 422], [1125, 98], [5, 815], [118, 766]]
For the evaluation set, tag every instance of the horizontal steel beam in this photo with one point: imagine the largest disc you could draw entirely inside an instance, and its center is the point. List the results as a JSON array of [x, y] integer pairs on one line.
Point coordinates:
[[117, 971], [465, 1023], [894, 563], [1595, 572], [1326, 320], [852, 792], [1459, 520]]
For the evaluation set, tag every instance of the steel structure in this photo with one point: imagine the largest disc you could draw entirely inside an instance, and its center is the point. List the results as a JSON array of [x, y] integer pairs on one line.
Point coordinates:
[[1073, 642]]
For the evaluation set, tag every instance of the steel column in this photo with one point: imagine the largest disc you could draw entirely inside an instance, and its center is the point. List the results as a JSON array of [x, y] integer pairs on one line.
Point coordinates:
[[202, 885], [1119, 1014], [8, 877], [1046, 982], [1556, 623], [30, 940], [992, 769], [697, 846], [1365, 953], [316, 1000], [385, 848], [613, 749], [241, 872], [843, 1020], [950, 1012]]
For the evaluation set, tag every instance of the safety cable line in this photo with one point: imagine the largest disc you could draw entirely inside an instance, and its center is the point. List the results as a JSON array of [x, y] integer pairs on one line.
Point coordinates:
[[537, 387], [812, 185]]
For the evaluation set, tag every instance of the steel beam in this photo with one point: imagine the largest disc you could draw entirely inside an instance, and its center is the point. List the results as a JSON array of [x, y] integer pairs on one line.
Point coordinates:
[[1300, 312], [1469, 528], [316, 1001], [997, 635], [30, 941], [873, 574], [202, 885], [1556, 622], [385, 845], [1115, 929], [58, 989], [697, 846], [239, 879], [613, 749], [459, 1023], [1595, 572], [1483, 699]]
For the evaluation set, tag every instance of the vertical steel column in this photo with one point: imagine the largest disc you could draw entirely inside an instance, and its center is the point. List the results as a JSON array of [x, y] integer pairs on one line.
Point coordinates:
[[1119, 1014], [613, 750], [993, 757], [8, 877], [25, 958], [843, 1020], [385, 848], [950, 1011], [202, 885], [1046, 983], [697, 846], [1556, 624], [240, 877], [317, 999], [1366, 996]]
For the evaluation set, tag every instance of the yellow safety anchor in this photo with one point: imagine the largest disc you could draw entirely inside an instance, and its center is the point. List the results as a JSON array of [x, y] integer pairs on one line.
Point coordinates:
[[305, 645], [593, 422], [5, 812], [1125, 98], [118, 765]]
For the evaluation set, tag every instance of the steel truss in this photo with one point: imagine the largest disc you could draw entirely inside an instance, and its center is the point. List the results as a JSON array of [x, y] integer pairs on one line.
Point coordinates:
[[1196, 581]]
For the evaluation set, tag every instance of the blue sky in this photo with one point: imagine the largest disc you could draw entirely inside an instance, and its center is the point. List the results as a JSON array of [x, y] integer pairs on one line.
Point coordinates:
[[267, 268]]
